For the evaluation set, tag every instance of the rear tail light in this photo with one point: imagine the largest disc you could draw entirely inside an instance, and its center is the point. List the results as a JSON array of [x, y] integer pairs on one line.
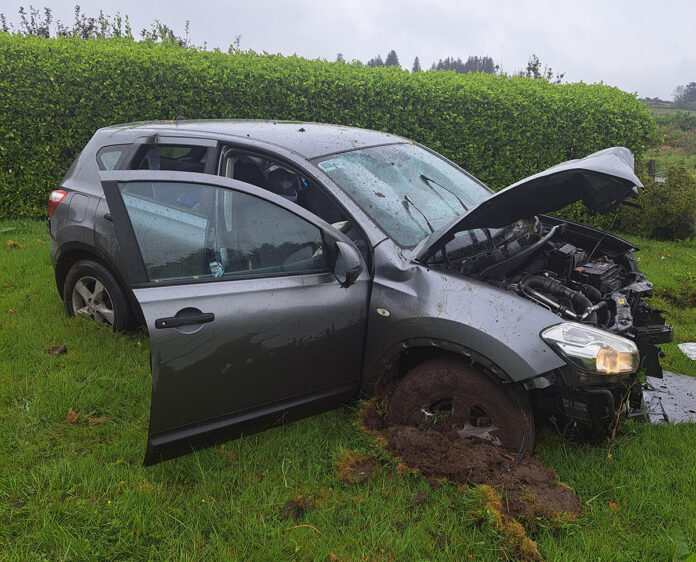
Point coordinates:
[[54, 200]]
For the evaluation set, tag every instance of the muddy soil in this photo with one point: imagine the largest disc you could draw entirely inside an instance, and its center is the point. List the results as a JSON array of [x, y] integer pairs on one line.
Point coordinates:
[[294, 509], [529, 488], [356, 470]]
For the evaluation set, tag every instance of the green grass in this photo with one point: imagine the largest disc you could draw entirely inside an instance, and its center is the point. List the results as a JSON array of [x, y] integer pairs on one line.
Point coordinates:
[[670, 267], [78, 491], [677, 129], [670, 111]]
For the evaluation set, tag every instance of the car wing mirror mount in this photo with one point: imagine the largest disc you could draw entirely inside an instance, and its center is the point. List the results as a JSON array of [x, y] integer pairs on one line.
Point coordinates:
[[348, 266]]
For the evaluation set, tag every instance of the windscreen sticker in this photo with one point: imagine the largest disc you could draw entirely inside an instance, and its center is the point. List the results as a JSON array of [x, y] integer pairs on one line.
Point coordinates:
[[331, 165]]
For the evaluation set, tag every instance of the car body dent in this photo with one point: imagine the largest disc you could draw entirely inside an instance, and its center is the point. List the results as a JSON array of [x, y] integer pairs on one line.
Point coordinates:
[[450, 309]]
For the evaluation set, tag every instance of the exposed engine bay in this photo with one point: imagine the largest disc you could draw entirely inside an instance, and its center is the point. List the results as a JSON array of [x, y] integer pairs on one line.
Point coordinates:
[[590, 279], [579, 273], [582, 275]]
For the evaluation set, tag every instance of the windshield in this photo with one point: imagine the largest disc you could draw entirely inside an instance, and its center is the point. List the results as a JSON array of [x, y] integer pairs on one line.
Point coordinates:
[[408, 191]]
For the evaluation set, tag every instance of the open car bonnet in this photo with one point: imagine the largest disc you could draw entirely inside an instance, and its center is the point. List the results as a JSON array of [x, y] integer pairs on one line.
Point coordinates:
[[602, 181]]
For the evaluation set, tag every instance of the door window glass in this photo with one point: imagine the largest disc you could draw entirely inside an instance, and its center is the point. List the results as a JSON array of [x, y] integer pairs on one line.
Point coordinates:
[[192, 231], [276, 177]]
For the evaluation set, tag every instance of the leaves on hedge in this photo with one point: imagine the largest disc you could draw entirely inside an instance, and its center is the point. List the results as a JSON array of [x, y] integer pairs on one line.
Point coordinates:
[[668, 210], [54, 93]]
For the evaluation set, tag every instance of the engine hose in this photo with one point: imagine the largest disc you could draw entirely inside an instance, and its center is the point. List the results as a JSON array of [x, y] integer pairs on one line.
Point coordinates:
[[502, 267], [533, 266], [547, 285], [592, 292]]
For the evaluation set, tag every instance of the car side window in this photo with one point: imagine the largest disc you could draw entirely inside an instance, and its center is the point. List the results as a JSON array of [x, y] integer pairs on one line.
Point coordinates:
[[278, 178], [178, 158], [189, 231], [111, 157]]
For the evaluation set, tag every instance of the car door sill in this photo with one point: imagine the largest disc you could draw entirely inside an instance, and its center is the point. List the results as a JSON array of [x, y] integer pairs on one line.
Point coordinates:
[[183, 440]]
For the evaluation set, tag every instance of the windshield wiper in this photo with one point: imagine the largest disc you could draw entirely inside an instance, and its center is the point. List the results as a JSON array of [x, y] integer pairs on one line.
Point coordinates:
[[429, 182], [407, 201]]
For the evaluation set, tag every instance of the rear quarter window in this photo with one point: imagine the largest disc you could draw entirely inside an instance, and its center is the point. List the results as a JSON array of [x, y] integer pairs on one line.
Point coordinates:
[[112, 157]]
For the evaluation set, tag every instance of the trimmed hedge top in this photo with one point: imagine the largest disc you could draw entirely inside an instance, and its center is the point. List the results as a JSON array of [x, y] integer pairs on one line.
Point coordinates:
[[54, 93]]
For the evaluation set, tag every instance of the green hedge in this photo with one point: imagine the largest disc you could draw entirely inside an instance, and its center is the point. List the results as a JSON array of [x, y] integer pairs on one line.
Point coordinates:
[[54, 93], [668, 209]]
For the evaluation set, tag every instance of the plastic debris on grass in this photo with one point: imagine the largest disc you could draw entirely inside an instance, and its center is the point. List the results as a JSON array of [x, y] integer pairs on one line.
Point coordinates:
[[688, 349], [671, 399]]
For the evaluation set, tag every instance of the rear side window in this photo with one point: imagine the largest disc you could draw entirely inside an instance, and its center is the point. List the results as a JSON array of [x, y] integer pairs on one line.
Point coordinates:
[[112, 157], [176, 158]]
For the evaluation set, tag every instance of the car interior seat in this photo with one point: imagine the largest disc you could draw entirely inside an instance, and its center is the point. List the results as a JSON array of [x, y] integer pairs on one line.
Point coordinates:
[[246, 170], [284, 183]]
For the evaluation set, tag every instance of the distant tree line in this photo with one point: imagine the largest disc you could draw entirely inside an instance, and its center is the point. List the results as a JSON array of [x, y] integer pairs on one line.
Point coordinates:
[[42, 23], [685, 96], [472, 64], [483, 64]]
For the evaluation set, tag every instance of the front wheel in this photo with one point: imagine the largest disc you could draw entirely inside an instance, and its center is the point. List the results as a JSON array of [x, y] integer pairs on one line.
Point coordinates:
[[449, 395], [91, 291]]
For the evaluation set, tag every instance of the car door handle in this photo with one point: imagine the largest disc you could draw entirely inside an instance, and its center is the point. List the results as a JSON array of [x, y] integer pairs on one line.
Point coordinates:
[[175, 321]]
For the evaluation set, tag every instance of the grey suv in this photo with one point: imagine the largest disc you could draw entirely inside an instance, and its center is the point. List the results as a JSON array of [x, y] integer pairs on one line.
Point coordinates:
[[282, 267]]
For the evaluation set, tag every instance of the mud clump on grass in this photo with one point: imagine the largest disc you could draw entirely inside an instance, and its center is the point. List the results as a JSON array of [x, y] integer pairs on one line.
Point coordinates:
[[529, 489], [71, 417], [525, 548], [353, 467], [295, 508], [57, 350]]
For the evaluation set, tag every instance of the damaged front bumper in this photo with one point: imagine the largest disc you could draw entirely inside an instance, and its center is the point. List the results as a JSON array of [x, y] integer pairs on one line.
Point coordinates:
[[586, 398], [584, 404], [589, 403]]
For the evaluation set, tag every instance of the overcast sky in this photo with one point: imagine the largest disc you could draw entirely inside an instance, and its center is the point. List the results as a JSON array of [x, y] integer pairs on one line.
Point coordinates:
[[640, 46]]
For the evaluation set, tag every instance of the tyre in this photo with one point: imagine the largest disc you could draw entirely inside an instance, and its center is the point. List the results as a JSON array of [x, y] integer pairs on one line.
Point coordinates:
[[91, 290], [452, 396]]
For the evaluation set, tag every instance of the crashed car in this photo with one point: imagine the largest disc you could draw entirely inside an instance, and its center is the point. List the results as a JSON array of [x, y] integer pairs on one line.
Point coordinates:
[[281, 268]]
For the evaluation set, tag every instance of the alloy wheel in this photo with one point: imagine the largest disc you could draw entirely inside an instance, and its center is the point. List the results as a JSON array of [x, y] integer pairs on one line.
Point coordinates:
[[90, 298]]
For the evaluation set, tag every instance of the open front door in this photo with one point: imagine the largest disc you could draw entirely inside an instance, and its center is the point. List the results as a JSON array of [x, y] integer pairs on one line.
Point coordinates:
[[247, 320]]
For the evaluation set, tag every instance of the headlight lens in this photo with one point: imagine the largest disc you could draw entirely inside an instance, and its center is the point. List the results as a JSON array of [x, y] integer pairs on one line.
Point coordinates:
[[591, 349]]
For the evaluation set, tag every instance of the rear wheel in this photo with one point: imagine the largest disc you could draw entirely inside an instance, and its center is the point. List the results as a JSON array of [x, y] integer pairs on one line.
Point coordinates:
[[449, 395], [91, 291]]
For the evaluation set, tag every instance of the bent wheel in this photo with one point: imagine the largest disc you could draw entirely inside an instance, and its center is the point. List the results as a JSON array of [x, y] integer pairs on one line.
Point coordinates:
[[449, 393]]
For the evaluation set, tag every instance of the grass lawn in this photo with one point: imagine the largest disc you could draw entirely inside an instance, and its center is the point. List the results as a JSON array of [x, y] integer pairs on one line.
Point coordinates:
[[677, 127], [78, 491]]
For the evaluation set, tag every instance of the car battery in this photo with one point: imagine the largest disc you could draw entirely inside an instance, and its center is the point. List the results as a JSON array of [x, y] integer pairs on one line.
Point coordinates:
[[604, 276]]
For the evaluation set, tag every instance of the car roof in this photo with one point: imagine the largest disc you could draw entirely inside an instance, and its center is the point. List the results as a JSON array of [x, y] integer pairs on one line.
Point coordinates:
[[309, 140]]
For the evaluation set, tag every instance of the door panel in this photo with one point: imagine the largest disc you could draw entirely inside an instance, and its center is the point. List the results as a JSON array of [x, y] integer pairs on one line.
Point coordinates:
[[244, 312], [271, 339]]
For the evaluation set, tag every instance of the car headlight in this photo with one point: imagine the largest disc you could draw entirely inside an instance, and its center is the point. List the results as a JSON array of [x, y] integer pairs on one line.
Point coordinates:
[[591, 349]]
